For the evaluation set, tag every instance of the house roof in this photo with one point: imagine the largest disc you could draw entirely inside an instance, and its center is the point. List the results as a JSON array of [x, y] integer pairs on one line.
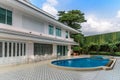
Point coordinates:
[[30, 5]]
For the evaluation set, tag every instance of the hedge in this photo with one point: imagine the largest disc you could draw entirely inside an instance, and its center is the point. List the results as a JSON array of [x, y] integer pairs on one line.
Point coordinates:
[[104, 53]]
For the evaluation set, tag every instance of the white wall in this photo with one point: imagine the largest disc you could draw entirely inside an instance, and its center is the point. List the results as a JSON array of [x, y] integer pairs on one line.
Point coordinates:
[[54, 49], [32, 24], [29, 48], [63, 33], [17, 19], [69, 50]]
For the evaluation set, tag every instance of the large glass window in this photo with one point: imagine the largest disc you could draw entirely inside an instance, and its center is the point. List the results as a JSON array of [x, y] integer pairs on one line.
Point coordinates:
[[51, 30], [58, 32], [14, 49], [6, 49], [9, 49], [5, 16], [9, 17], [42, 49], [66, 34], [24, 49], [17, 49], [21, 49], [2, 15], [62, 50], [0, 49]]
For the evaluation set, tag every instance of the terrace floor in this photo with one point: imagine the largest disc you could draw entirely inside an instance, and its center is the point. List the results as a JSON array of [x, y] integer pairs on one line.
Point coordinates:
[[42, 71]]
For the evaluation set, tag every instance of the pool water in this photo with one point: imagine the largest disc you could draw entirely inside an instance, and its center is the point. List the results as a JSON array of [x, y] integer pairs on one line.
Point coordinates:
[[82, 62]]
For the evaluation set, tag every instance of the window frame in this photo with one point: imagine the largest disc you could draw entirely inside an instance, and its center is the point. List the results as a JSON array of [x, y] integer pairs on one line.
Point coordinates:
[[66, 34], [58, 32], [7, 15], [51, 30]]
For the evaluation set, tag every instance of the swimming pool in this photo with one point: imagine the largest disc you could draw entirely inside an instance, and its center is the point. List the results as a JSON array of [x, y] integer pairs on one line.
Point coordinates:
[[82, 63]]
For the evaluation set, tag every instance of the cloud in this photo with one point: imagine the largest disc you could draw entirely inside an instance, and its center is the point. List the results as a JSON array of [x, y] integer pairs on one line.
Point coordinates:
[[95, 25], [118, 14], [49, 6], [52, 2]]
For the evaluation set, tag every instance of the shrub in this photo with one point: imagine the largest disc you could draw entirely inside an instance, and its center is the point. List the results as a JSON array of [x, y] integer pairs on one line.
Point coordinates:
[[117, 53], [100, 53], [76, 48], [104, 47], [93, 47], [118, 46]]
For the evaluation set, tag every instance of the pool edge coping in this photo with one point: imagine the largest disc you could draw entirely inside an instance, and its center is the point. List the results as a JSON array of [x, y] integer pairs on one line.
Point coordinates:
[[109, 66]]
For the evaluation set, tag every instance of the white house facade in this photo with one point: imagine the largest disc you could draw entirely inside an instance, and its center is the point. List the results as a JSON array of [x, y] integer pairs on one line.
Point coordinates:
[[26, 30]]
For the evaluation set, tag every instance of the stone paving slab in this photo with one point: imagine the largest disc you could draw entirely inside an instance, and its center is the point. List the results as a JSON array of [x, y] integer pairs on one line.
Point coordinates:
[[42, 71]]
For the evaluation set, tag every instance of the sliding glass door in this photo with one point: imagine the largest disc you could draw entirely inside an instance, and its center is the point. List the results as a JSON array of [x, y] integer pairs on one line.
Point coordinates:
[[62, 50]]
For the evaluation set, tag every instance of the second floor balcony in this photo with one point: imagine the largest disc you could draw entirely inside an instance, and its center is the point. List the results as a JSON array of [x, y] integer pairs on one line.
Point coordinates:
[[17, 29]]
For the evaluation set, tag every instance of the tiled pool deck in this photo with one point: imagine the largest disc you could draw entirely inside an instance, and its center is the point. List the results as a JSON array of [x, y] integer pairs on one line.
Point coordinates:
[[41, 71]]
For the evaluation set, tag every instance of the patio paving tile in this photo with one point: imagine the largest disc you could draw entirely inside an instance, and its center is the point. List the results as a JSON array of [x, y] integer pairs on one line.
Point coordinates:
[[38, 71]]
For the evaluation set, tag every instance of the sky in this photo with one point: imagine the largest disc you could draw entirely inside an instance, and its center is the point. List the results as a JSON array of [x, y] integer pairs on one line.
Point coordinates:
[[103, 16]]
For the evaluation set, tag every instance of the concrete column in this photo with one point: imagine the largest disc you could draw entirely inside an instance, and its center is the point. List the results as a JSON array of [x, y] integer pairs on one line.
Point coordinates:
[[15, 48], [69, 50], [11, 49], [68, 35], [29, 48], [46, 28], [22, 49], [54, 49], [19, 49], [7, 49]]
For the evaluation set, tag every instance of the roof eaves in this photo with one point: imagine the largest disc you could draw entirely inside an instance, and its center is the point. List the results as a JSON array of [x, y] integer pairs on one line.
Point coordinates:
[[36, 9], [44, 13]]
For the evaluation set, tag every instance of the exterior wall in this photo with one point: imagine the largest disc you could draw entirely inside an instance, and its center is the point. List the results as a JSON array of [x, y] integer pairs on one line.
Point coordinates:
[[29, 23], [29, 48], [17, 19], [33, 24], [11, 55], [69, 50], [54, 50], [23, 23]]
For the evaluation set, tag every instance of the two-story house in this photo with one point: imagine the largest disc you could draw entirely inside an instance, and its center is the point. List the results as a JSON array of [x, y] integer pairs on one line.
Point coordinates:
[[26, 30]]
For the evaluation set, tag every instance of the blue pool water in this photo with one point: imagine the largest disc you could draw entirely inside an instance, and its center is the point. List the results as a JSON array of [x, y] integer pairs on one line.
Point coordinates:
[[82, 62]]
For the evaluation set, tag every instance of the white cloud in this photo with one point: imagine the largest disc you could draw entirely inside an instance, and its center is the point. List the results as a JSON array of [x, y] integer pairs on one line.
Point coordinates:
[[118, 14], [49, 6], [52, 2], [96, 25]]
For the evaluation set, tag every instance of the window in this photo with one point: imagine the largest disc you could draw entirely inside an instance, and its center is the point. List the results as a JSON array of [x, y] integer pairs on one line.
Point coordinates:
[[66, 34], [17, 49], [61, 50], [42, 49], [21, 49], [9, 17], [24, 49], [0, 49], [9, 49], [14, 49], [2, 15], [51, 30], [5, 49], [58, 32], [5, 16]]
